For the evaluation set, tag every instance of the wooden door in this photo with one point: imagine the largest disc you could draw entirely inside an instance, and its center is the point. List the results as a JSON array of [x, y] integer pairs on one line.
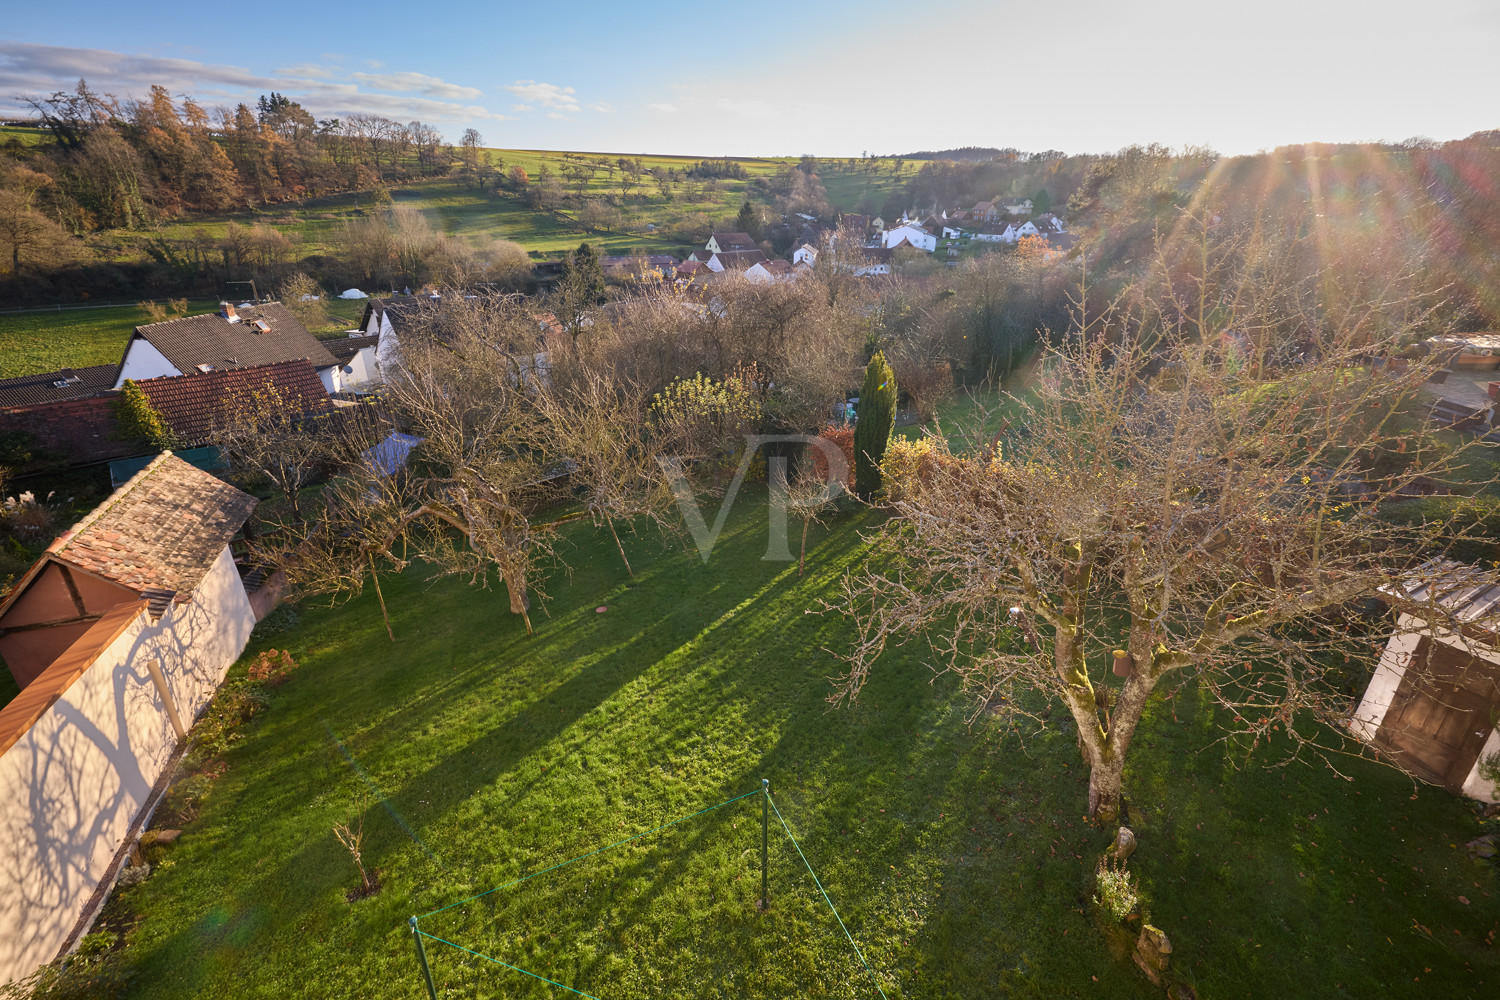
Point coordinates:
[[1442, 713]]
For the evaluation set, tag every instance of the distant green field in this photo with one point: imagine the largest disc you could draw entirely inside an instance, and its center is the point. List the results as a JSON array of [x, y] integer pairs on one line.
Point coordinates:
[[32, 342], [481, 216], [44, 341]]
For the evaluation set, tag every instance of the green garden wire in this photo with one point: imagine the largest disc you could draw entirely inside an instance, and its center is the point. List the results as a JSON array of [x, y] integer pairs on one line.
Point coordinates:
[[590, 854], [515, 968], [831, 907]]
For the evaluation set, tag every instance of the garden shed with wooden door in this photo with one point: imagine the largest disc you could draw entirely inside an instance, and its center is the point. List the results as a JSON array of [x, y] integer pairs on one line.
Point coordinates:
[[1434, 702]]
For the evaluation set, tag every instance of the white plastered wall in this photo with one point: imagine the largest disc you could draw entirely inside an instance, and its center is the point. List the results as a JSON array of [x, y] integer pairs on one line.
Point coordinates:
[[143, 361], [71, 787]]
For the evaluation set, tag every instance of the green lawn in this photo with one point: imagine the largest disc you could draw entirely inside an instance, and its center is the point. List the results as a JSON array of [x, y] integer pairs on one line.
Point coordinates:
[[956, 856], [32, 342]]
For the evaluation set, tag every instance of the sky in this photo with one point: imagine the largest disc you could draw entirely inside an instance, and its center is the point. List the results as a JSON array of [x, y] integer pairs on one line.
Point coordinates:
[[829, 77]]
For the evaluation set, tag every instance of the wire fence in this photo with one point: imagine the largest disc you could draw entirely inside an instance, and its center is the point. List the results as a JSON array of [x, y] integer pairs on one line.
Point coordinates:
[[768, 805]]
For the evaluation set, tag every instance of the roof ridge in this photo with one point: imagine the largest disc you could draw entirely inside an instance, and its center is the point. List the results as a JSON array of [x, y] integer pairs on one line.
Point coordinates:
[[66, 538]]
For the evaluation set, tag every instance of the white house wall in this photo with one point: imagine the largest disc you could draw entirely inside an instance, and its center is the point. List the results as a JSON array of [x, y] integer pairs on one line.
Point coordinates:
[[73, 784], [143, 361]]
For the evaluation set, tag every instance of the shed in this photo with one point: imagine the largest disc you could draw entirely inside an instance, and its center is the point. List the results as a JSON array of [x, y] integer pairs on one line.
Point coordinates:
[[161, 537], [1434, 701]]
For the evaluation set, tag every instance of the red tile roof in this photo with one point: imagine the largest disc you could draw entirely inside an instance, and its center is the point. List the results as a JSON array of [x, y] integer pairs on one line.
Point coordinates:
[[161, 531], [190, 403]]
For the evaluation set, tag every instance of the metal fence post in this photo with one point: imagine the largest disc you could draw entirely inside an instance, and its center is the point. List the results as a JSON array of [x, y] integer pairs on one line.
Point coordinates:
[[416, 936], [765, 817]]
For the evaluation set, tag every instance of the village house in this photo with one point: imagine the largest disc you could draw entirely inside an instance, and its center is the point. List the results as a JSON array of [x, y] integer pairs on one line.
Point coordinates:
[[768, 270], [729, 242], [734, 260], [191, 404], [984, 211], [55, 387], [230, 338], [805, 254], [1433, 702], [912, 235], [1016, 206], [62, 419], [118, 637]]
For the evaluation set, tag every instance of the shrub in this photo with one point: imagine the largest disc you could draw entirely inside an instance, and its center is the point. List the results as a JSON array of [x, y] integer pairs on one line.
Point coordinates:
[[906, 463], [137, 420], [272, 668], [1116, 890], [843, 439], [1489, 768]]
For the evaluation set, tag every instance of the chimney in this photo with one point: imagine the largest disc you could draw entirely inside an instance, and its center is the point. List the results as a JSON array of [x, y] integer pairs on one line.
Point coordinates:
[[227, 311]]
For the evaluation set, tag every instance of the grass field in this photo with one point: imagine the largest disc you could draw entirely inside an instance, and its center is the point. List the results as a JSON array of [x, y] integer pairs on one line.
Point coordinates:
[[35, 342], [32, 342], [955, 854]]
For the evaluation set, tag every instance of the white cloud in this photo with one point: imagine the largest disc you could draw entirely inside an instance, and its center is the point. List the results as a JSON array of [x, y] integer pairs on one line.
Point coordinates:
[[306, 71], [602, 107], [324, 90], [666, 109], [521, 109], [416, 83], [548, 95], [558, 115]]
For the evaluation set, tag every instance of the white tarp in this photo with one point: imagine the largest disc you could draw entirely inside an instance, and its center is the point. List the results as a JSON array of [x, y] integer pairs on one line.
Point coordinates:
[[353, 293]]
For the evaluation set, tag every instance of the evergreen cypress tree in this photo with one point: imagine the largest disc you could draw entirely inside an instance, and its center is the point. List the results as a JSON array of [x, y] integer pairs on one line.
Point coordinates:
[[748, 221], [876, 421], [581, 287]]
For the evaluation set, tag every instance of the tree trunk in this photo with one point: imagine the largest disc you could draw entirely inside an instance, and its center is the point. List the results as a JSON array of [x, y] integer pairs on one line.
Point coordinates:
[[375, 576], [1106, 779], [802, 553], [621, 548], [520, 603]]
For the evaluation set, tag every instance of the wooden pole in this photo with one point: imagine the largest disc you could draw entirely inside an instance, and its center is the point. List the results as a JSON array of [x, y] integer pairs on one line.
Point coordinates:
[[153, 667]]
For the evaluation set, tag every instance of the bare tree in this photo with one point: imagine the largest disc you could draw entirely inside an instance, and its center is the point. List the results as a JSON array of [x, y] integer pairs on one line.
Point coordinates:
[[270, 434], [1193, 494], [602, 424]]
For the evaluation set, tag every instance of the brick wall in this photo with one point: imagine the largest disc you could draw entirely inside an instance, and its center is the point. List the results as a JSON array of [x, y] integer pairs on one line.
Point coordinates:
[[72, 432]]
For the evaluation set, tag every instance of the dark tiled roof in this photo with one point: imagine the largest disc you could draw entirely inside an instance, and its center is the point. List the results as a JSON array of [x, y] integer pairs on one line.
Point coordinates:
[[76, 383], [160, 531], [740, 258], [734, 241], [777, 266], [189, 403], [212, 340], [646, 260], [345, 349]]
